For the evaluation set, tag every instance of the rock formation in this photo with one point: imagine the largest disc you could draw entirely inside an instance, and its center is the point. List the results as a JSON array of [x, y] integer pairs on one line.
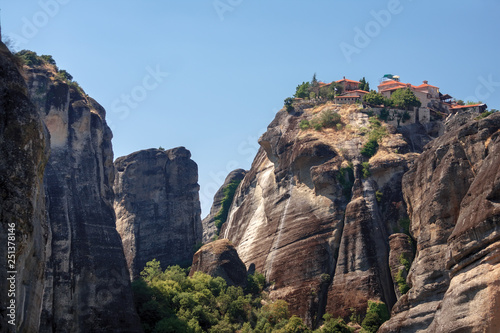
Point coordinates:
[[309, 219], [23, 154], [219, 258], [87, 285], [157, 207], [209, 228], [453, 196]]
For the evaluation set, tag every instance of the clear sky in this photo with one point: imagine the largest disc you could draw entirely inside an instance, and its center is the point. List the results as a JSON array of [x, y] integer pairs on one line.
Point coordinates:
[[211, 74]]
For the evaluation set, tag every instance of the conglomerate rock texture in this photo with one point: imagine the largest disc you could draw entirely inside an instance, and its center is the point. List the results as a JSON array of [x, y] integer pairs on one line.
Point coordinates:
[[453, 197], [23, 154], [220, 259], [157, 207], [87, 285], [209, 228], [307, 217]]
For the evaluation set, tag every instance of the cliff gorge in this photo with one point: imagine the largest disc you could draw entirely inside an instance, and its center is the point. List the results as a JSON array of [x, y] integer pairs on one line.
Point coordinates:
[[453, 196], [314, 215], [23, 153], [209, 227], [87, 285], [157, 207]]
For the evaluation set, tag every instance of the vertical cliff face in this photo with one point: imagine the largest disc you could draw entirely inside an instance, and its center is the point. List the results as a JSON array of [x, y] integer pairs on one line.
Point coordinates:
[[157, 207], [209, 227], [313, 221], [453, 196], [87, 285], [23, 154]]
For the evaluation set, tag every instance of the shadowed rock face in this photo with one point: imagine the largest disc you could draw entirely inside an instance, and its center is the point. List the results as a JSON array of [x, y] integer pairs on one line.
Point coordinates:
[[23, 154], [87, 285], [157, 207], [309, 221], [453, 196], [219, 258], [209, 228]]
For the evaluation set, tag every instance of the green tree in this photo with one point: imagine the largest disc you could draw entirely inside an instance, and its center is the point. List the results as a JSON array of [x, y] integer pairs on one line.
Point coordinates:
[[376, 315], [373, 98], [363, 85], [289, 104], [405, 99], [151, 271], [302, 90]]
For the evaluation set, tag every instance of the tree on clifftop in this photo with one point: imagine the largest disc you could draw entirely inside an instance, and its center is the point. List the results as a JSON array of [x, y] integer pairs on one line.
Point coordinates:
[[405, 99], [363, 85], [374, 98]]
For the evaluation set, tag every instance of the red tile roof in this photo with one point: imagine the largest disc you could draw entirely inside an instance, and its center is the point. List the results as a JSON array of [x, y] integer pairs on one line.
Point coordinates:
[[423, 85], [388, 82], [456, 106], [347, 80]]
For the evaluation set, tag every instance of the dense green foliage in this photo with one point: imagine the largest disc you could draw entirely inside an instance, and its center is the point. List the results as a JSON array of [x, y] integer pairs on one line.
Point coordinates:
[[486, 114], [64, 75], [221, 216], [376, 315], [405, 99], [346, 179], [302, 90], [404, 224], [304, 124], [30, 58], [363, 85], [289, 104], [369, 148], [373, 98], [377, 132], [170, 301], [401, 281], [365, 169], [384, 114]]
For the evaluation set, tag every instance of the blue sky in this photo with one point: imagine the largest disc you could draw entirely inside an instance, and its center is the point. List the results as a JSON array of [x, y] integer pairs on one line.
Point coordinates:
[[211, 74]]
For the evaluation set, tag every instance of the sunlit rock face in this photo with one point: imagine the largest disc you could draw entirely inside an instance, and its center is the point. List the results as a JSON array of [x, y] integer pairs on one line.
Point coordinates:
[[307, 217], [87, 284], [453, 197]]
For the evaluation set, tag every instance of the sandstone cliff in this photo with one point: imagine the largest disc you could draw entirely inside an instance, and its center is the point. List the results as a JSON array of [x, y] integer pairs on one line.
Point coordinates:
[[453, 196], [157, 207], [219, 258], [316, 220], [23, 154], [87, 285], [209, 227]]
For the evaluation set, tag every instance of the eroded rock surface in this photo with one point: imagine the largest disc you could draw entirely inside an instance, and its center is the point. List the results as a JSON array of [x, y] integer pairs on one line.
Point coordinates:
[[453, 196], [24, 151], [309, 220], [87, 285], [220, 259], [209, 228], [157, 207]]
